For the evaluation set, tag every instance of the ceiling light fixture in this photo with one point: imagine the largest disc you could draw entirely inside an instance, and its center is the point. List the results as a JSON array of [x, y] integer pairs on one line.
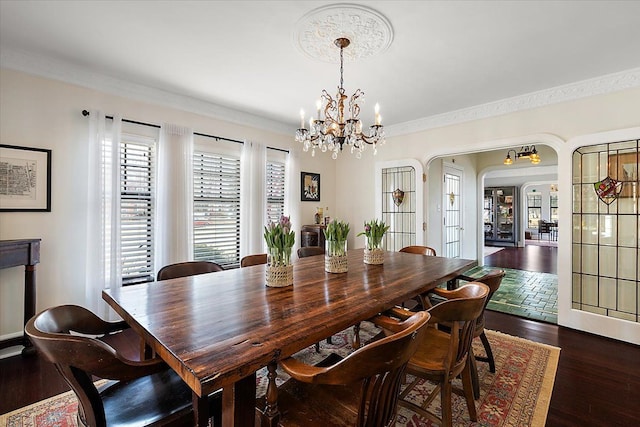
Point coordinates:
[[526, 152], [333, 127]]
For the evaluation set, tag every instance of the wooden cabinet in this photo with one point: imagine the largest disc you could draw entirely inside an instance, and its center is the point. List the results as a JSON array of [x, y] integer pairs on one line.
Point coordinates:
[[312, 235], [500, 216]]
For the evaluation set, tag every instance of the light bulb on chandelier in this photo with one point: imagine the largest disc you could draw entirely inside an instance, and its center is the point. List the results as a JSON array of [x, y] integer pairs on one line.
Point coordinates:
[[332, 130]]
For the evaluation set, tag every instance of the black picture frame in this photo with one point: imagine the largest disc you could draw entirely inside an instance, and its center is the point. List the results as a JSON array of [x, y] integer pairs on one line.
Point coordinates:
[[309, 187], [25, 179]]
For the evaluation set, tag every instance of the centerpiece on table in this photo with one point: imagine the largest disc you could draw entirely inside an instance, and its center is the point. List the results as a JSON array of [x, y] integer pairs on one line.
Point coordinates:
[[280, 240], [374, 231], [335, 254]]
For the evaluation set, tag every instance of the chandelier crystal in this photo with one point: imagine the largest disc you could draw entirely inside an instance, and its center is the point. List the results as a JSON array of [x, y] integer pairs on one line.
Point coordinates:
[[337, 125]]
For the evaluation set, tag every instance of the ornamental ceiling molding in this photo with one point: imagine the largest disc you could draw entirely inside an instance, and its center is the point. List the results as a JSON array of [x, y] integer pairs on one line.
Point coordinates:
[[602, 85], [368, 31]]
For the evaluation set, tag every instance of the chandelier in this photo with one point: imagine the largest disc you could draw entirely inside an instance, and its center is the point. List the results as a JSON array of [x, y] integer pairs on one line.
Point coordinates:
[[338, 126], [525, 152]]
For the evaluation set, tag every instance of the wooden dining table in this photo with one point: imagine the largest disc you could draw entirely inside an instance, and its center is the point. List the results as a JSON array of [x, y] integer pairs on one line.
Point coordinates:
[[216, 330]]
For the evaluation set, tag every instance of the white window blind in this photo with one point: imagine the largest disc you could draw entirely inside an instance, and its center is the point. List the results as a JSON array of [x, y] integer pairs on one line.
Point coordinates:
[[275, 190], [216, 208], [137, 193]]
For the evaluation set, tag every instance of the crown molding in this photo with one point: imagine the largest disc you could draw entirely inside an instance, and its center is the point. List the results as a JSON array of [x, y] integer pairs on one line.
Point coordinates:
[[597, 86], [59, 70]]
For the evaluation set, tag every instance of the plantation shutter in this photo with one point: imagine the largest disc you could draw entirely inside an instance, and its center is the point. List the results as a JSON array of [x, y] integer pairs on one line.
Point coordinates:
[[137, 191], [275, 190], [216, 208]]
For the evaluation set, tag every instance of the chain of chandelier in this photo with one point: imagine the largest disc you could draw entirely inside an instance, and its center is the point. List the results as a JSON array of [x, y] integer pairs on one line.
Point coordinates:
[[332, 130]]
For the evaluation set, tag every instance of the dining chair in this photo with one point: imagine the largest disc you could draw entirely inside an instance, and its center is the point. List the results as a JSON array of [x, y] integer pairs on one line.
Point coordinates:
[[417, 302], [359, 390], [419, 250], [307, 251], [137, 393], [493, 280], [249, 260], [442, 356], [189, 268]]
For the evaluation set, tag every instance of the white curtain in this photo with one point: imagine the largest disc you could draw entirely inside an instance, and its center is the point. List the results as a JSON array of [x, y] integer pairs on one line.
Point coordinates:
[[253, 212], [173, 237], [292, 193], [104, 269]]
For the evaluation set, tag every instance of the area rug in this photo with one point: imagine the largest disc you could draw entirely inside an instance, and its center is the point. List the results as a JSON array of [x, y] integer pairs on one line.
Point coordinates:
[[518, 394]]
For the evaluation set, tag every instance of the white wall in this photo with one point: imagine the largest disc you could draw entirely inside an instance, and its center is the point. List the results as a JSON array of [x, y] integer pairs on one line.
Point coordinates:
[[42, 113]]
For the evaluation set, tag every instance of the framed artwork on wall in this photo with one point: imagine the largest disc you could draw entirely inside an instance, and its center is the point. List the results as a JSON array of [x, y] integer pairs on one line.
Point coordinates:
[[309, 187], [25, 179]]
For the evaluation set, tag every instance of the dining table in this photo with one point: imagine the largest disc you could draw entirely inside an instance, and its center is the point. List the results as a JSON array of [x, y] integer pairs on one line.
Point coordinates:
[[217, 329]]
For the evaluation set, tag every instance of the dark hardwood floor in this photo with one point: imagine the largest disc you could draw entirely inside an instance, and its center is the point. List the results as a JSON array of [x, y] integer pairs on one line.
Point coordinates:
[[597, 382], [543, 259]]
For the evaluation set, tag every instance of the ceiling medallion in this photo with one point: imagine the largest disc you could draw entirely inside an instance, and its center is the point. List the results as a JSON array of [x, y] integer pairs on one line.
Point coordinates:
[[368, 31]]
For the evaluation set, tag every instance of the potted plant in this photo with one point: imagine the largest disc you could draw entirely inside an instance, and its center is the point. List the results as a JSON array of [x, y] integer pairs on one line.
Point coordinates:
[[280, 240], [374, 231], [335, 255]]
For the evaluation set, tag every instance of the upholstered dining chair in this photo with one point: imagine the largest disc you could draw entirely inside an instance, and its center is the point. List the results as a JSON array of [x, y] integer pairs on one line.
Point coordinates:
[[442, 356], [310, 251], [249, 260], [359, 390], [139, 393], [420, 250], [189, 268]]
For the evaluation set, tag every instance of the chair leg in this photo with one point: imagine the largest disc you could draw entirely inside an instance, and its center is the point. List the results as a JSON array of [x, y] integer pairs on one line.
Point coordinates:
[[487, 349], [317, 347], [445, 400], [475, 381], [467, 385]]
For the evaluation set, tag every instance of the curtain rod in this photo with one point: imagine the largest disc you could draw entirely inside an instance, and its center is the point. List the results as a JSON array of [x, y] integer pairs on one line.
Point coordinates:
[[218, 138]]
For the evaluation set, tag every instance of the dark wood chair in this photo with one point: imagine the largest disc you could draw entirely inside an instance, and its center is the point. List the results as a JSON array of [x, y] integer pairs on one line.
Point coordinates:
[[442, 356], [139, 393], [310, 251], [419, 250], [359, 390], [189, 268], [249, 260]]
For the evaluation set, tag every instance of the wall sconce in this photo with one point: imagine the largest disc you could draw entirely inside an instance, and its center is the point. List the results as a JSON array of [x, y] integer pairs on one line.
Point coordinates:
[[526, 152]]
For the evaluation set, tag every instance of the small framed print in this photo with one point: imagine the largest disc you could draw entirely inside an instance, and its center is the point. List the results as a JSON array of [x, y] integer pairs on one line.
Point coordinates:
[[25, 179], [309, 187]]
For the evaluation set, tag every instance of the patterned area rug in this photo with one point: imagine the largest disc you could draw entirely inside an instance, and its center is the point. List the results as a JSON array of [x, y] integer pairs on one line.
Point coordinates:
[[517, 394]]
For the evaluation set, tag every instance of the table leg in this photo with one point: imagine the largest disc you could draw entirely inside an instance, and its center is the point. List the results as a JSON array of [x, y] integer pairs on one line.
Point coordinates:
[[29, 304], [239, 403], [271, 414], [201, 410]]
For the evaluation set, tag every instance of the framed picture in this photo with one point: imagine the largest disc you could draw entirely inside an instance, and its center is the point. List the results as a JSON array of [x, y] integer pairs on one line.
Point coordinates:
[[25, 179], [623, 167], [309, 187]]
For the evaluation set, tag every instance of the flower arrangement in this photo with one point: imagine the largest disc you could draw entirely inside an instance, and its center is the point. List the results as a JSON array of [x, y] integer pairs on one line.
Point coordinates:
[[374, 231], [335, 254], [280, 240]]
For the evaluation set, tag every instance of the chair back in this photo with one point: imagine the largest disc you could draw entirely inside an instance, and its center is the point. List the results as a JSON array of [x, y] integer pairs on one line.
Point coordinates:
[[310, 251], [189, 268], [461, 310], [77, 358], [380, 366], [420, 250], [250, 260], [493, 280]]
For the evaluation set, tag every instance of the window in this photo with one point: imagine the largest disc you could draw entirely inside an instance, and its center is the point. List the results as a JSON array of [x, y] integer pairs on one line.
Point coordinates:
[[216, 206], [553, 207], [534, 209], [137, 194], [275, 187]]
